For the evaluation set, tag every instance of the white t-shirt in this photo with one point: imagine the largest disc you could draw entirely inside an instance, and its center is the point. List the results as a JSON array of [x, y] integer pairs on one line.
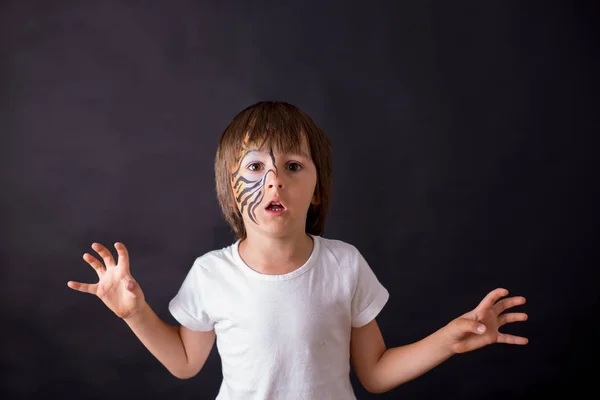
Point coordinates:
[[282, 336]]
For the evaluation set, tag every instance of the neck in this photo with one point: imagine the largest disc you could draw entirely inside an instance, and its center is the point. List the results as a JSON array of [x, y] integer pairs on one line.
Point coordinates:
[[276, 255]]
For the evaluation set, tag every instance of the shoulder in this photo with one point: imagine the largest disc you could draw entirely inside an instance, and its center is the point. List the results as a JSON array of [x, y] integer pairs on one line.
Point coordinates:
[[343, 252], [214, 261]]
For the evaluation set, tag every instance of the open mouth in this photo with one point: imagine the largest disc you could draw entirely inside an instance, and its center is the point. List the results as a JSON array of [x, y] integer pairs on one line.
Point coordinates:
[[275, 206]]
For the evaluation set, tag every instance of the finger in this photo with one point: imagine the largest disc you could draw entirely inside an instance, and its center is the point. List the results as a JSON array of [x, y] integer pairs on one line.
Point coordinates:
[[492, 297], [504, 304], [511, 317], [512, 339], [123, 255], [105, 254], [93, 261], [129, 283], [83, 287], [467, 325]]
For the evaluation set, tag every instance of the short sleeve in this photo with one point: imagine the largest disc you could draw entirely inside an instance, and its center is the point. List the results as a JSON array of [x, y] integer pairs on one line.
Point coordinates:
[[369, 295], [188, 306]]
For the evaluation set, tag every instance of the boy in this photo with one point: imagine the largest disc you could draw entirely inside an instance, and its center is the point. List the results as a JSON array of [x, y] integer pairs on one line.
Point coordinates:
[[288, 308]]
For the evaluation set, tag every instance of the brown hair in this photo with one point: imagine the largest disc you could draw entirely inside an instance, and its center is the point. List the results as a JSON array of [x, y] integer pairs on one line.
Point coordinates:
[[284, 128]]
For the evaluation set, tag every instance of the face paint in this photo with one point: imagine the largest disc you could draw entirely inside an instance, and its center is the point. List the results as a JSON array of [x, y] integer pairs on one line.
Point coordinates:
[[248, 186]]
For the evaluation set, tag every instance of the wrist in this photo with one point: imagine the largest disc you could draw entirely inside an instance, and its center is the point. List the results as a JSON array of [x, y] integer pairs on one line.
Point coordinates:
[[137, 315], [445, 341]]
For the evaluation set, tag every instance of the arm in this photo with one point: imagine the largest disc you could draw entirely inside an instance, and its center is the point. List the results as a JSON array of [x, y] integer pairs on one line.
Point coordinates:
[[182, 351], [380, 369]]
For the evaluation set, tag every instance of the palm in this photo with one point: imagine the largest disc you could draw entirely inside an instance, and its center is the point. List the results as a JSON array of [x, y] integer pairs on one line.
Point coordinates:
[[112, 290], [489, 313], [114, 279]]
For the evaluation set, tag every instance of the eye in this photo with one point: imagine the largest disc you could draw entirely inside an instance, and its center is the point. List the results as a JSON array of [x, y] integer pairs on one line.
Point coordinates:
[[254, 167], [294, 167]]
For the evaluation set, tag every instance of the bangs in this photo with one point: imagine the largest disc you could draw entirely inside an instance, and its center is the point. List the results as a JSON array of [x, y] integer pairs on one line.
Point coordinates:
[[282, 139], [273, 127]]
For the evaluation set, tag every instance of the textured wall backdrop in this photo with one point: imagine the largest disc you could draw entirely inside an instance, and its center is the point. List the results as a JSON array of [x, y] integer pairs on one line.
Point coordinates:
[[462, 162]]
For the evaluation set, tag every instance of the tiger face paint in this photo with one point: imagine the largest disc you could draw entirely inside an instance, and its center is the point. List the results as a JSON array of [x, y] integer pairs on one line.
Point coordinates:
[[249, 186]]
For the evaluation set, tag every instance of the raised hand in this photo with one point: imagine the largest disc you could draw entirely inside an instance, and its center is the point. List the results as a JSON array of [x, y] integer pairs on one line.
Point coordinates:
[[463, 331], [116, 287]]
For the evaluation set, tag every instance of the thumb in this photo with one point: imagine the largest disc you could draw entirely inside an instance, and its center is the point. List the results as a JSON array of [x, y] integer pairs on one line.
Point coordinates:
[[468, 325], [129, 282]]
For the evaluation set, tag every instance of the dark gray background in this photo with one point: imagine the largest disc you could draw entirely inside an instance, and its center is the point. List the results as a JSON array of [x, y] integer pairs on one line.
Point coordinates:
[[463, 161]]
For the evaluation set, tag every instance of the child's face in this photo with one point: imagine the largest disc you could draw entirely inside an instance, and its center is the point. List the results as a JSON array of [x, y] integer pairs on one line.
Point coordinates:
[[261, 177]]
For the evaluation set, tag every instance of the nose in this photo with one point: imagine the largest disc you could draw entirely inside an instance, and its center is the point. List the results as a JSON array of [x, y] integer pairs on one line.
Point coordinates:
[[274, 181]]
